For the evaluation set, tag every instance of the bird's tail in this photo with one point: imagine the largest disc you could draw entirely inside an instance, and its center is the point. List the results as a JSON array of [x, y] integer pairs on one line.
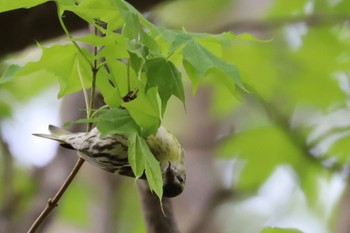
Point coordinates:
[[55, 133]]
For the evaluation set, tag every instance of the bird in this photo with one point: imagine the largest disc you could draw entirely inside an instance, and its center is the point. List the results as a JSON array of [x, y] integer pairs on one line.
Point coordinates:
[[110, 153]]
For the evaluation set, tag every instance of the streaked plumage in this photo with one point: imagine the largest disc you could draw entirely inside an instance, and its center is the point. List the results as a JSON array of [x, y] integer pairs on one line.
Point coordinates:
[[111, 153]]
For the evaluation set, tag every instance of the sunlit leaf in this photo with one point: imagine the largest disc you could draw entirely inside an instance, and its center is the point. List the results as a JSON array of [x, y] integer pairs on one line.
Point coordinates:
[[9, 73], [6, 5], [142, 159], [198, 61], [145, 111], [163, 74], [66, 63], [108, 89], [136, 151], [93, 10]]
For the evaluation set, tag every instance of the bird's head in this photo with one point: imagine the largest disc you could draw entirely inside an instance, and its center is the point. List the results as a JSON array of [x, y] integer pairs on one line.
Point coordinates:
[[174, 179], [170, 154]]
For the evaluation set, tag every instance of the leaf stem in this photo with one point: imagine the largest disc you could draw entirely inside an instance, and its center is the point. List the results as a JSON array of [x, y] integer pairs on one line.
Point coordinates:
[[93, 86], [69, 35], [128, 75]]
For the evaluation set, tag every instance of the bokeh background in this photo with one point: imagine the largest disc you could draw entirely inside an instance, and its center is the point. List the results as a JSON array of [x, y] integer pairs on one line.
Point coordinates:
[[277, 156]]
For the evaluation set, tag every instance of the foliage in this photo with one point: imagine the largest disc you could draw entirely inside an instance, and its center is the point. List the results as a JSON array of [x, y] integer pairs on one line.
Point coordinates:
[[137, 63]]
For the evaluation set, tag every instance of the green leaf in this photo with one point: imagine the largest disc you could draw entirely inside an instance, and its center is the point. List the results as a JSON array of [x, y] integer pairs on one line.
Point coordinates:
[[279, 230], [136, 151], [7, 5], [116, 121], [135, 32], [138, 54], [119, 73], [66, 63], [9, 73], [163, 74], [108, 89], [145, 111], [179, 40], [141, 159], [153, 174], [113, 44], [96, 10], [199, 61]]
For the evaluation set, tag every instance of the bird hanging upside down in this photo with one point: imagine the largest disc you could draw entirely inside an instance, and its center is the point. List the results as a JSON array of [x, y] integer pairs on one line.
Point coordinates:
[[111, 154]]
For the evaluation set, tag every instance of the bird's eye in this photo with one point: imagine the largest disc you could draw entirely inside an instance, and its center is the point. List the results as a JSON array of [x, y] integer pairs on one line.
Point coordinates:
[[180, 179]]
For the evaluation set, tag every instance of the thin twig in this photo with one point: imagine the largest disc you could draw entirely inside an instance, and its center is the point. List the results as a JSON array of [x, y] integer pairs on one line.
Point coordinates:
[[52, 203]]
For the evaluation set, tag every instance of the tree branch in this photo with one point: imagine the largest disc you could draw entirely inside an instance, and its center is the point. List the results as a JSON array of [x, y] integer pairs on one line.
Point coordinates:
[[52, 203], [156, 221]]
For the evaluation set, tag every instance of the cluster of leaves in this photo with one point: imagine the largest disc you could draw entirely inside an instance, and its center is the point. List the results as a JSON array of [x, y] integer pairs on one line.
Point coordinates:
[[135, 59]]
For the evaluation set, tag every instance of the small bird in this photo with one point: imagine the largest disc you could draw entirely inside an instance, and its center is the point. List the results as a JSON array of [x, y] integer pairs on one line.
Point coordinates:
[[111, 154]]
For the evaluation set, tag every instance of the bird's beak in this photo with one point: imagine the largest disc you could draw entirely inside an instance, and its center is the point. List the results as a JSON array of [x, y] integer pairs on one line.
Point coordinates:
[[171, 188], [169, 171]]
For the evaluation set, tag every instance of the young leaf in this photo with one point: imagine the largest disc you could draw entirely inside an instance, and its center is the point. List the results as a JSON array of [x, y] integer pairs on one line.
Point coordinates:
[[110, 43], [108, 89], [145, 111], [136, 151], [135, 32], [96, 10], [66, 63], [138, 54], [199, 61], [12, 5], [9, 72], [163, 74], [141, 159], [117, 121], [153, 174]]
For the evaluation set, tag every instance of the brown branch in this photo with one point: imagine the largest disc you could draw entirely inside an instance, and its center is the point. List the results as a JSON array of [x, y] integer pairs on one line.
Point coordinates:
[[52, 203], [156, 221]]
